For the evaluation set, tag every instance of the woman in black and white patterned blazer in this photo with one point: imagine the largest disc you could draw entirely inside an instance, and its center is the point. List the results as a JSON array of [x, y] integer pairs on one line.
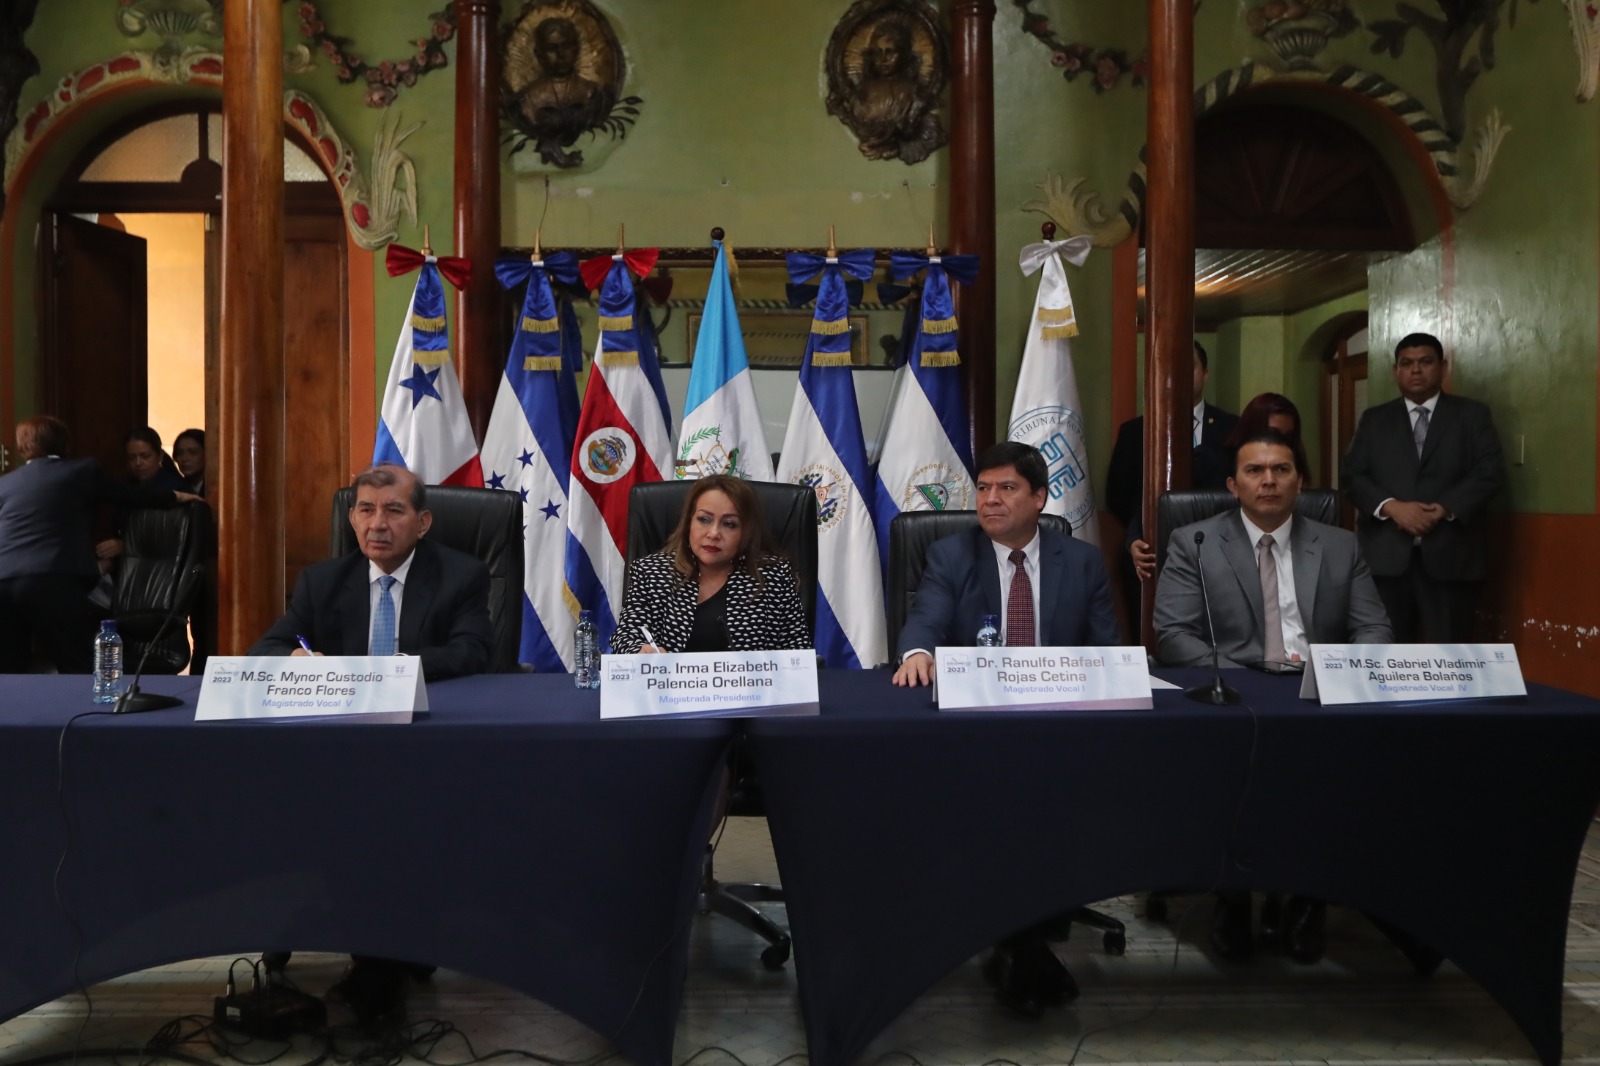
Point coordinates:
[[714, 586]]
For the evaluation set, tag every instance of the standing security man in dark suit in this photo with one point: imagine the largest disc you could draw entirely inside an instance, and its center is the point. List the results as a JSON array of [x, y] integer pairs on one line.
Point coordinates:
[[1420, 472]]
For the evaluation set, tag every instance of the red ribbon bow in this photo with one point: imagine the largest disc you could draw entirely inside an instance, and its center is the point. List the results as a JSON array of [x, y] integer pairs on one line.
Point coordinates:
[[640, 260], [398, 259]]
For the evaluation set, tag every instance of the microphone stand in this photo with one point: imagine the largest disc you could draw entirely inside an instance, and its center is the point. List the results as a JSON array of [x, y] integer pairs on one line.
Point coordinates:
[[1214, 691], [132, 701]]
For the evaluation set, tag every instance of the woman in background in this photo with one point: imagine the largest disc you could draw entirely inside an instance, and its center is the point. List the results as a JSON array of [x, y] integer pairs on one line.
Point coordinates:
[[189, 453], [714, 585], [150, 466]]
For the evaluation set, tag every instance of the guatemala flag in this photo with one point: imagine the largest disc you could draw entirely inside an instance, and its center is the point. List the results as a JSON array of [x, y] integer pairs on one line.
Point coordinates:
[[528, 447], [423, 424], [622, 440], [1045, 411], [721, 425], [926, 460], [825, 452]]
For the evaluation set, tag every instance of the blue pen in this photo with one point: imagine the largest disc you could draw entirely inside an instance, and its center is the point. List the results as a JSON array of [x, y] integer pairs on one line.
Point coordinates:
[[304, 644]]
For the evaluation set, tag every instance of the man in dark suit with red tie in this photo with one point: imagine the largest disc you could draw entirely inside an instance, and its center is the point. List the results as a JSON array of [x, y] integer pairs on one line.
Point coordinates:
[[1421, 472]]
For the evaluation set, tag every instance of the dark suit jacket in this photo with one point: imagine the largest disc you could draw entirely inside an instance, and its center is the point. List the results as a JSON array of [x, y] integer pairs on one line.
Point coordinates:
[[1460, 467], [1338, 602], [1125, 478], [47, 515], [961, 584], [444, 616]]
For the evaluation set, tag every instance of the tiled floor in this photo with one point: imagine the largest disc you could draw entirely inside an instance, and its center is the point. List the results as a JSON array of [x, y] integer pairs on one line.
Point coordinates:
[[1360, 1005]]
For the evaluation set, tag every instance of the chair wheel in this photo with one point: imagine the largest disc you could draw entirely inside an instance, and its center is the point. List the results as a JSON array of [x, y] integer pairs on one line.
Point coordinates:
[[1155, 908], [776, 955], [1115, 943]]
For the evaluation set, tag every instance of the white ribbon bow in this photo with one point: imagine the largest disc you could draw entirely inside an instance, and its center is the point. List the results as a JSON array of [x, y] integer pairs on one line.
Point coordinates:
[[1075, 249]]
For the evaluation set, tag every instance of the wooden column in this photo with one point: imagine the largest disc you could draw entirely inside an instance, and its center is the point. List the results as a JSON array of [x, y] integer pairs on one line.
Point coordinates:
[[477, 209], [249, 481], [1169, 263], [972, 202]]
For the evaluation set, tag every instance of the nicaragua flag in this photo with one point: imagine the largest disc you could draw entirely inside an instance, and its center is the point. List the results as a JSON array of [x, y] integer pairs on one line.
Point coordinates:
[[423, 424], [528, 447], [825, 452], [926, 460], [722, 431], [622, 440], [1046, 412]]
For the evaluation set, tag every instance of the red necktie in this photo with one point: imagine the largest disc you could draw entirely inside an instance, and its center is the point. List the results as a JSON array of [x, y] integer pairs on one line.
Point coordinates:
[[1019, 605]]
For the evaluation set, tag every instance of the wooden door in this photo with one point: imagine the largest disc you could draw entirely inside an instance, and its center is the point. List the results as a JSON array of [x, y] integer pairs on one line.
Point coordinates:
[[94, 335], [1344, 398]]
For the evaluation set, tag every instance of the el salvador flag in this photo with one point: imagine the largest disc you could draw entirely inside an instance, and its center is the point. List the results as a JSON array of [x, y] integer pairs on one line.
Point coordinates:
[[926, 460], [722, 431], [528, 447], [423, 424], [824, 451]]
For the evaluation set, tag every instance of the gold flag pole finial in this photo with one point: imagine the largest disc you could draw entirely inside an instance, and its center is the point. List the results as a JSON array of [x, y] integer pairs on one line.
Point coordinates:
[[537, 254], [833, 249], [427, 240], [933, 249], [619, 238]]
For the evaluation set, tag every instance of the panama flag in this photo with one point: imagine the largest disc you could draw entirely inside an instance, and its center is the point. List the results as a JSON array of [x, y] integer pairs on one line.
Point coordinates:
[[1045, 411], [423, 424], [622, 439], [926, 461], [825, 452], [721, 431], [528, 447]]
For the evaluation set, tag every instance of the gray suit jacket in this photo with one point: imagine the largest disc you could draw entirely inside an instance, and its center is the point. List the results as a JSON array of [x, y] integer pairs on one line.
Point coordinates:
[[1338, 602], [47, 513]]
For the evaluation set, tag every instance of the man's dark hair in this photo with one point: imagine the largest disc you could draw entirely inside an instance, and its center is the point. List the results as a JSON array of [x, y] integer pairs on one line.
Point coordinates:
[[1025, 457], [1419, 340], [384, 475], [1200, 354], [42, 435], [1267, 435]]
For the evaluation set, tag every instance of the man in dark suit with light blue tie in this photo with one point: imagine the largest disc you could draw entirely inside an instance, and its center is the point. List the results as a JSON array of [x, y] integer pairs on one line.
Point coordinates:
[[1048, 590], [1421, 471]]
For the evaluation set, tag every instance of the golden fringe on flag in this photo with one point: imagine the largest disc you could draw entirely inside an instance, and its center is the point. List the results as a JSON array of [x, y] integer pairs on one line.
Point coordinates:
[[571, 601], [619, 358], [439, 358], [1055, 316], [938, 325], [830, 359], [539, 325], [541, 362], [427, 325], [616, 321], [1056, 333], [935, 360], [829, 329]]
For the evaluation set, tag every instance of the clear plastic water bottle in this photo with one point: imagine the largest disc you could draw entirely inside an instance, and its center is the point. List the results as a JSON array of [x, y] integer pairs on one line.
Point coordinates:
[[108, 679], [586, 653], [989, 632]]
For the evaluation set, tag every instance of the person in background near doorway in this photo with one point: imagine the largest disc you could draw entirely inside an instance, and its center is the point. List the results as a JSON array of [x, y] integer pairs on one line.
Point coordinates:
[[189, 453], [148, 465]]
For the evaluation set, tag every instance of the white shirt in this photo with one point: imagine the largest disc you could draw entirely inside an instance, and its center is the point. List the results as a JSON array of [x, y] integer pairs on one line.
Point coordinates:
[[1199, 421], [1030, 565], [1294, 629], [397, 593]]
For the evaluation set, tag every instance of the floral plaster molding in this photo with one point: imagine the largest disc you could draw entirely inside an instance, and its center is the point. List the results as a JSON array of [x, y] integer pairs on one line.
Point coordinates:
[[369, 228], [1585, 16], [1079, 211]]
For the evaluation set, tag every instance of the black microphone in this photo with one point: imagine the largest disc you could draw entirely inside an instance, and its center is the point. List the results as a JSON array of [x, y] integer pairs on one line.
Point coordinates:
[[1213, 691], [132, 701]]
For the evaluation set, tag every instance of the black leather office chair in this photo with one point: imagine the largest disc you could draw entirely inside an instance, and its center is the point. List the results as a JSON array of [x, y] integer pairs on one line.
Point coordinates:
[[1177, 509], [484, 523], [791, 516], [911, 534], [159, 547]]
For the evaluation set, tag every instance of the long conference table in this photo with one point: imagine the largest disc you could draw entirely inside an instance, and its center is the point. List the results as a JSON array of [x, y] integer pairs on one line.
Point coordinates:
[[512, 834]]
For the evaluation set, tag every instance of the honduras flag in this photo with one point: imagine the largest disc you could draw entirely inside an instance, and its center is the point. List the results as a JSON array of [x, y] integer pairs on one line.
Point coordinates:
[[622, 440], [423, 424], [528, 447], [825, 452], [926, 460], [721, 425], [1045, 411]]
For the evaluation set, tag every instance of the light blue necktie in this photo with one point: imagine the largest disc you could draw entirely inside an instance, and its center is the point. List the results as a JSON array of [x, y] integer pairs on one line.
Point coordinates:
[[1419, 432], [383, 642]]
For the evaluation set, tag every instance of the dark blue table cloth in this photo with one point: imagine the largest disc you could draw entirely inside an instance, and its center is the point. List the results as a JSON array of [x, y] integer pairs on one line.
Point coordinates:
[[908, 839], [509, 833]]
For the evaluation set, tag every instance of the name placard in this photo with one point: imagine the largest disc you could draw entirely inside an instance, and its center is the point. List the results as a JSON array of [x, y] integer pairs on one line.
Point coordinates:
[[709, 684], [1411, 673], [1042, 679], [369, 688]]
